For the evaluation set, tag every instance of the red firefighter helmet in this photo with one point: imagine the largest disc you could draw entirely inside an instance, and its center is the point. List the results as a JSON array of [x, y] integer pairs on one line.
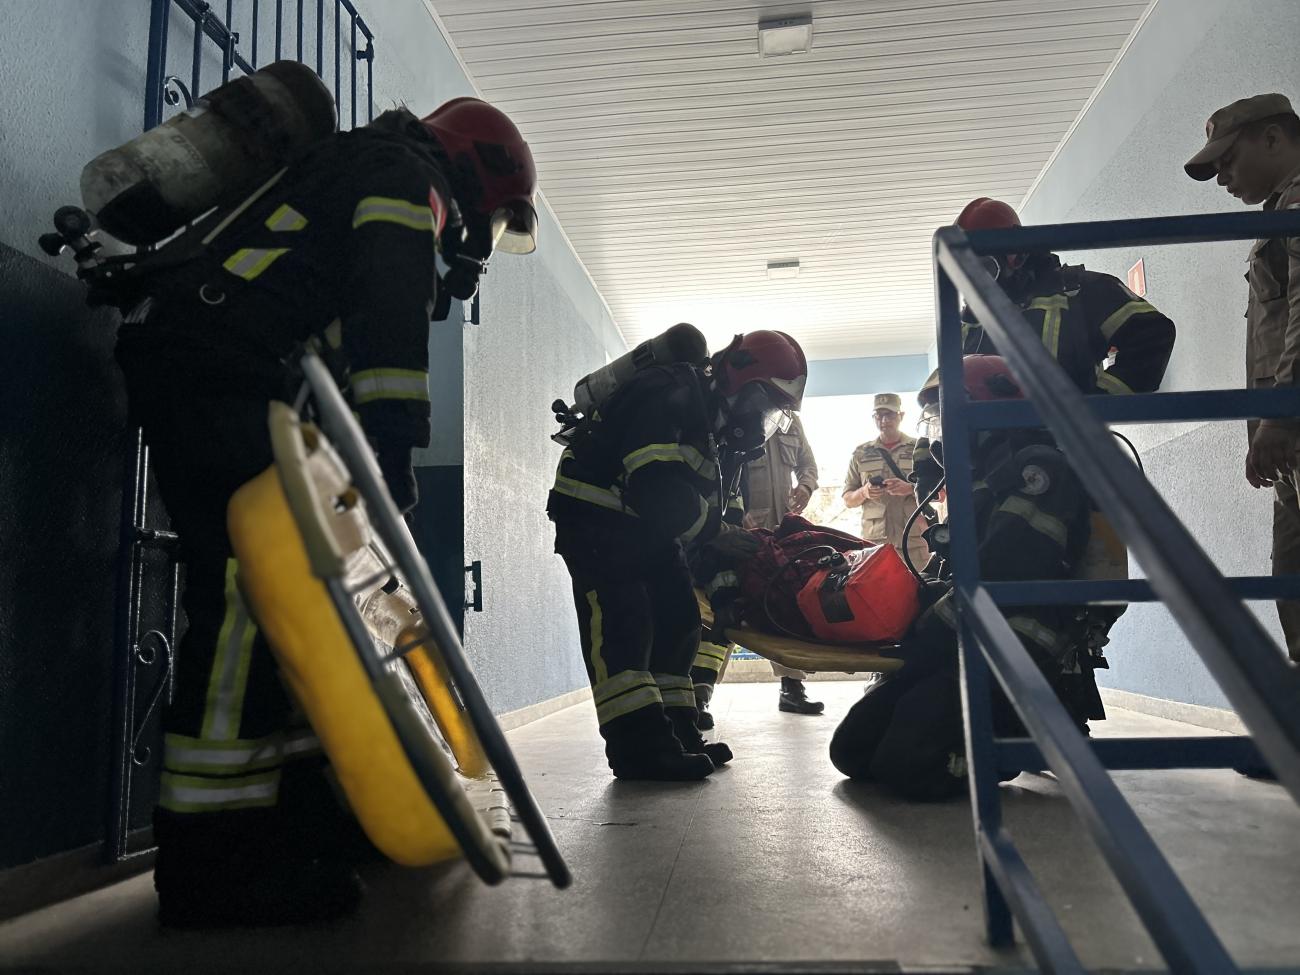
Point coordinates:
[[495, 176], [985, 377], [761, 376], [984, 213], [771, 359]]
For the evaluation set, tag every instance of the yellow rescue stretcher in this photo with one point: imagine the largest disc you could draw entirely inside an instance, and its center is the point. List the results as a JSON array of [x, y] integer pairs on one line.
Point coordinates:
[[809, 655], [364, 641]]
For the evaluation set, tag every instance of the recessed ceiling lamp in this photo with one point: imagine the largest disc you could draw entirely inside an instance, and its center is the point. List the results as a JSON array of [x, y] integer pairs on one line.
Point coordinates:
[[785, 35], [783, 269]]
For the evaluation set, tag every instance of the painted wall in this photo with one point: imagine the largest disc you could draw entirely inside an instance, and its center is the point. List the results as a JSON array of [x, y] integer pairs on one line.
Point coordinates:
[[1124, 159], [72, 78]]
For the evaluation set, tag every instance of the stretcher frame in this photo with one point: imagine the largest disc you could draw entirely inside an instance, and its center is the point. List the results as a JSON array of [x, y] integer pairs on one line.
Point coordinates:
[[343, 432], [811, 656]]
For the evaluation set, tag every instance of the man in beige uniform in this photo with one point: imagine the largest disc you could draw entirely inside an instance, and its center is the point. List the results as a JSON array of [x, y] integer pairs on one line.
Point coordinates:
[[782, 480], [887, 500], [1253, 149]]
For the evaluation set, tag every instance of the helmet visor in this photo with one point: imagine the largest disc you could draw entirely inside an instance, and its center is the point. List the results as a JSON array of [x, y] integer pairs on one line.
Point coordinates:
[[755, 411], [514, 228]]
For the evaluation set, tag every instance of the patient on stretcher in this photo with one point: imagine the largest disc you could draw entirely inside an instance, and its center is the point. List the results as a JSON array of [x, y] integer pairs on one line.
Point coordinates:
[[808, 583]]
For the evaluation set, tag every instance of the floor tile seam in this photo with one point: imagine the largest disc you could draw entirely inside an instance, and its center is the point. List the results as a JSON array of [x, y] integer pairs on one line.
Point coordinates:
[[672, 872]]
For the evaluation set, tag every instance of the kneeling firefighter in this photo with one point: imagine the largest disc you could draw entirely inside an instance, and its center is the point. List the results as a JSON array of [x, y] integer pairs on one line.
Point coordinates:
[[645, 476], [1032, 522], [341, 249]]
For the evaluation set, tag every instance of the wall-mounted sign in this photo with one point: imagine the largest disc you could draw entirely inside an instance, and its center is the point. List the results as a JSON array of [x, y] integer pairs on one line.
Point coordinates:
[[1137, 279]]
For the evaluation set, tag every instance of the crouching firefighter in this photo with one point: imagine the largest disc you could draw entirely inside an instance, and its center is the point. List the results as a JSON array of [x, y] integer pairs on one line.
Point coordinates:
[[1032, 521], [646, 475], [340, 249]]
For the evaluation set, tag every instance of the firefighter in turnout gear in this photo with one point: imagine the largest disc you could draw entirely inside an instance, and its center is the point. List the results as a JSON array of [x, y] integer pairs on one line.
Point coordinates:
[[340, 250], [1106, 338], [646, 477], [1032, 522]]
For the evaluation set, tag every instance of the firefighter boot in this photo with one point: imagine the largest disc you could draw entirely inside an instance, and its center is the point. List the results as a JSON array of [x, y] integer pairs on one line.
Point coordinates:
[[640, 745], [703, 695], [685, 724], [795, 700], [228, 869]]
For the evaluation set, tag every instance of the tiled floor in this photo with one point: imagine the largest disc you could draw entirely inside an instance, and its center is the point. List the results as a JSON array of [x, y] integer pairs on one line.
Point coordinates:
[[775, 858]]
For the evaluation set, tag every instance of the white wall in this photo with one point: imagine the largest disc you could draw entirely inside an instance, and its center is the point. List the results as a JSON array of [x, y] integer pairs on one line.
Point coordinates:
[[1124, 159]]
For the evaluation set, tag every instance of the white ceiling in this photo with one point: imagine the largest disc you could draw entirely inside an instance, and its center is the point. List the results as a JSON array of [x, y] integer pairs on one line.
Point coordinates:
[[680, 163]]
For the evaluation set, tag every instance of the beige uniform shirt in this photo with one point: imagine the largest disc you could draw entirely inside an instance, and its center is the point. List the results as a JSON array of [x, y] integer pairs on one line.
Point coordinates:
[[1273, 310], [786, 461], [885, 519]]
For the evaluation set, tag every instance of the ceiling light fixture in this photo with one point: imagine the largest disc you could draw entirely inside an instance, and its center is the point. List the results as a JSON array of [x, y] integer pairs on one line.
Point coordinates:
[[785, 35], [778, 270]]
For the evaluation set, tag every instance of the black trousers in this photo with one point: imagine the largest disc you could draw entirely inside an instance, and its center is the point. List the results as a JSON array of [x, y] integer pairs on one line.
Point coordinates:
[[639, 626], [229, 728], [907, 731]]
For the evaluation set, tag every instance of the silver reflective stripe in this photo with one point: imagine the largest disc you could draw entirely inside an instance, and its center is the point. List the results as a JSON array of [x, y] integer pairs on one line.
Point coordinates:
[[1044, 636], [1113, 384], [699, 523], [1038, 520], [602, 497], [369, 385], [139, 313], [225, 701], [387, 209], [182, 753], [670, 452], [249, 262], [675, 691], [626, 691], [286, 218], [710, 656], [723, 580], [188, 793]]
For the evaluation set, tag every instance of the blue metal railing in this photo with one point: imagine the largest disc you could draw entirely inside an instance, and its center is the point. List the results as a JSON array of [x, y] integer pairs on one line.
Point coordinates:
[[133, 649], [1248, 666]]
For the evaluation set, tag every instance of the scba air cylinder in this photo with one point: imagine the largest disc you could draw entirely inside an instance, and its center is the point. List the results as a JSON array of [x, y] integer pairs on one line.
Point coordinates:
[[681, 343], [234, 138]]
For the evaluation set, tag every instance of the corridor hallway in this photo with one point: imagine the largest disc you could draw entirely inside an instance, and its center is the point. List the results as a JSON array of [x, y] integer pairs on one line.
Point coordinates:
[[775, 859]]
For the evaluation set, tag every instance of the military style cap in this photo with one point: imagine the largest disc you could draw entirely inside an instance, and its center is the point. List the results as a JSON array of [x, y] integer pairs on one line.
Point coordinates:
[[888, 401], [1225, 125]]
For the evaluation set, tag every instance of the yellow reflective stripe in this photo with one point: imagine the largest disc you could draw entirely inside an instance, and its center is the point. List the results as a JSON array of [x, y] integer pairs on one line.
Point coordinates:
[[1117, 318], [721, 581], [189, 793], [673, 452], [1037, 519], [1044, 636], [698, 525], [387, 209], [369, 385], [711, 656], [623, 693], [601, 497], [1113, 385], [736, 502], [675, 691], [182, 753], [249, 262], [1051, 307], [285, 218], [597, 637], [229, 676]]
